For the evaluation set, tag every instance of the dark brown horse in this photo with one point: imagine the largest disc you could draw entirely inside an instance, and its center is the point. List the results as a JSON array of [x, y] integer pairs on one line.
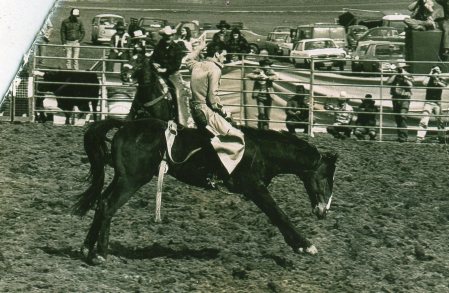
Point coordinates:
[[137, 150]]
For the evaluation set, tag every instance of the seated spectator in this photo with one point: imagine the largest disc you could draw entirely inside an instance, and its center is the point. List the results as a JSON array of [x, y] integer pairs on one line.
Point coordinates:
[[236, 44], [223, 27], [263, 87], [298, 111], [343, 113], [366, 119], [120, 44]]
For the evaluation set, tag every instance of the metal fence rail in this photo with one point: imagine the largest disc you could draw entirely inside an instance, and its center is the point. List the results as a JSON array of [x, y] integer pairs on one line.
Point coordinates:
[[323, 87]]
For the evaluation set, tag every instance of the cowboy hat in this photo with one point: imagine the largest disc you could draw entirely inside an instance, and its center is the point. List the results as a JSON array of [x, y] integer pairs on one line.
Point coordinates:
[[168, 31], [223, 24], [138, 34]]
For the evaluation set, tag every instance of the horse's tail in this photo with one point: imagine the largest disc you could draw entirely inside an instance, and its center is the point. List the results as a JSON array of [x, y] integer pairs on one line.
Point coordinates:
[[97, 152]]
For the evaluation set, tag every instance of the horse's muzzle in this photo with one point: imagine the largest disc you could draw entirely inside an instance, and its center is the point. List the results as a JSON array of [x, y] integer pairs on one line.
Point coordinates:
[[320, 211]]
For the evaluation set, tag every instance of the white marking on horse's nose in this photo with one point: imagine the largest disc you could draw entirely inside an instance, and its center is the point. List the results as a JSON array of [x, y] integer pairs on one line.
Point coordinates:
[[328, 206]]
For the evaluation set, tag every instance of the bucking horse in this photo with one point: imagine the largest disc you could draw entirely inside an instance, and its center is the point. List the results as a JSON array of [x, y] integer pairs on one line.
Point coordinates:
[[139, 146]]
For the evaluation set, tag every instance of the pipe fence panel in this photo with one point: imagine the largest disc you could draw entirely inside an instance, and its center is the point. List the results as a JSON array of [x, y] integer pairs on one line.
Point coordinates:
[[323, 88]]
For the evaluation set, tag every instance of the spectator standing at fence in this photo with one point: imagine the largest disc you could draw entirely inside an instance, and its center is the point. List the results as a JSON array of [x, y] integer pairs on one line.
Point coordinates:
[[184, 35], [343, 114], [42, 40], [297, 111], [72, 33], [236, 44], [263, 87], [223, 27], [432, 105], [366, 119], [401, 92], [119, 43]]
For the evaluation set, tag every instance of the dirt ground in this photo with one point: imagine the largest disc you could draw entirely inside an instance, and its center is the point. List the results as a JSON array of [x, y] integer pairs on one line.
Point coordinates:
[[387, 230]]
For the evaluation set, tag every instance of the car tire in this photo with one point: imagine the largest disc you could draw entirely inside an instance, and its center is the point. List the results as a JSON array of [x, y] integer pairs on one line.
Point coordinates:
[[253, 49]]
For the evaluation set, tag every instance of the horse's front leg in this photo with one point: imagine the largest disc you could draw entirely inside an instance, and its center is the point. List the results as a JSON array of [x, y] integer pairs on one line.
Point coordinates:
[[260, 195]]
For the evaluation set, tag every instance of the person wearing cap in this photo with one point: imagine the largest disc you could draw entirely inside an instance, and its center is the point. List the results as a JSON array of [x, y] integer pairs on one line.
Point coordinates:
[[297, 111], [263, 87], [42, 40], [119, 45], [236, 44], [167, 59], [366, 119], [223, 27], [343, 114], [401, 91], [72, 34], [432, 104]]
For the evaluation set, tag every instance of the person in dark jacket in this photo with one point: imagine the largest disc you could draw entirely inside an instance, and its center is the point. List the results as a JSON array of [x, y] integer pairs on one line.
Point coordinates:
[[297, 111], [72, 33], [166, 59], [236, 44], [263, 87], [223, 27], [366, 119], [401, 93], [119, 45]]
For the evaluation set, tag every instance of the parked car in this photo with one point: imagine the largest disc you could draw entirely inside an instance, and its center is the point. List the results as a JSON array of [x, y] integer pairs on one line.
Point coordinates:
[[192, 25], [280, 42], [383, 33], [354, 33], [103, 27], [152, 26], [377, 56], [319, 48], [256, 42], [396, 21], [321, 30]]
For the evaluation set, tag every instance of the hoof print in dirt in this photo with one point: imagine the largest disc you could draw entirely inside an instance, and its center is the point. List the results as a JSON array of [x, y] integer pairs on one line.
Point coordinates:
[[239, 273]]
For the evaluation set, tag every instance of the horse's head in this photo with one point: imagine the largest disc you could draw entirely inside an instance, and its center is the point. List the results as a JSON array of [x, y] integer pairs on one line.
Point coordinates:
[[319, 184]]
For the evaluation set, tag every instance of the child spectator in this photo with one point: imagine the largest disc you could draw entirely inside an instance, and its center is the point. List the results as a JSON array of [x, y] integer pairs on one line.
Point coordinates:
[[343, 116]]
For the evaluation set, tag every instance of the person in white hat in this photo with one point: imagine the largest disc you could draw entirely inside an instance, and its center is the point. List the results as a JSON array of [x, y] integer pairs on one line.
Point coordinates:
[[343, 114], [166, 59], [72, 33]]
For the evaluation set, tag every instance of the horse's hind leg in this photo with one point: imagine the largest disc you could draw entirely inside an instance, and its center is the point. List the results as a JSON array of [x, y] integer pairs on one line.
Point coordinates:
[[122, 192], [92, 235]]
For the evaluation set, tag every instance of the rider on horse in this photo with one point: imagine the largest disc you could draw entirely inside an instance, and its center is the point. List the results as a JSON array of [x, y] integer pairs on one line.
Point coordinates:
[[207, 110], [166, 59]]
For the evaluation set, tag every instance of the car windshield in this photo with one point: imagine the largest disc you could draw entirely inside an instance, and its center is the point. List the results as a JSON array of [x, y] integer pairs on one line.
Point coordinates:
[[329, 32], [389, 50], [384, 33], [109, 20], [319, 45]]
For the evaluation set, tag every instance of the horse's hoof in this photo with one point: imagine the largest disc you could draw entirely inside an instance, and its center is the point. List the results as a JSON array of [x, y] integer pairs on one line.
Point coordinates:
[[309, 250], [84, 251], [98, 260]]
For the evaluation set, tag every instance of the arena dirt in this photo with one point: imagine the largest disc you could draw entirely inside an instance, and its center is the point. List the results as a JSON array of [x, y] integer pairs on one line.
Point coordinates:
[[387, 231]]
